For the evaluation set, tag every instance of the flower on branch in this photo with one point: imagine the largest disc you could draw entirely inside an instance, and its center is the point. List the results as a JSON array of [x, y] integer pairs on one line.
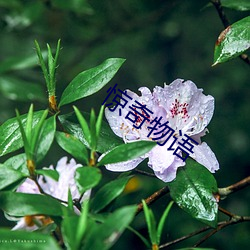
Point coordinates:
[[184, 109], [58, 189]]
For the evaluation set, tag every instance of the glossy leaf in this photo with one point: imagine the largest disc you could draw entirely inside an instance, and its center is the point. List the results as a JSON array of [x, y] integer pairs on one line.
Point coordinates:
[[8, 176], [53, 174], [46, 137], [90, 81], [127, 152], [233, 41], [18, 162], [193, 191], [73, 146], [87, 177], [16, 240], [20, 204], [107, 138], [105, 235], [241, 5], [108, 193], [19, 90], [84, 125], [10, 136]]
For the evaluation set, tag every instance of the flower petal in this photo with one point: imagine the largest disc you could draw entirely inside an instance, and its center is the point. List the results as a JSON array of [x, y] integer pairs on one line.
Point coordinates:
[[188, 109], [164, 163], [21, 225], [29, 187], [126, 165], [205, 156]]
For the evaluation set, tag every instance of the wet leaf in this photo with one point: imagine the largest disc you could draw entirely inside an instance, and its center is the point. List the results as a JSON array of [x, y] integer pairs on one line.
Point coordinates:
[[10, 136], [126, 152], [233, 41], [46, 137], [107, 138], [193, 191], [73, 146], [9, 175], [90, 81], [20, 204]]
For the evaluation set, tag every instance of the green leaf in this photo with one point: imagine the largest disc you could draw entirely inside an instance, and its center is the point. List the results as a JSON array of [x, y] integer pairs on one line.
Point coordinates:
[[241, 5], [20, 204], [151, 223], [18, 162], [19, 90], [162, 221], [107, 139], [69, 230], [90, 81], [92, 127], [16, 240], [99, 122], [105, 235], [53, 174], [46, 138], [232, 41], [73, 146], [82, 223], [8, 176], [108, 193], [193, 191], [127, 152], [84, 125], [74, 228], [87, 177], [10, 136]]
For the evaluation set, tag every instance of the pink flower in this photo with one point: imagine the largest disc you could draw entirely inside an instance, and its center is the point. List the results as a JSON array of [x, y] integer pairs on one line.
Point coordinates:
[[58, 189], [185, 108]]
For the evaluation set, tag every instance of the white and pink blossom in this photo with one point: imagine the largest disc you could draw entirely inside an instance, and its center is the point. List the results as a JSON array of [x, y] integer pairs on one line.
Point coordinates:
[[185, 108], [58, 189]]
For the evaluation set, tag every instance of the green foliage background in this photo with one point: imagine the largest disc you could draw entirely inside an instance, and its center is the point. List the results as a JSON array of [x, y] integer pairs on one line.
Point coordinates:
[[161, 41]]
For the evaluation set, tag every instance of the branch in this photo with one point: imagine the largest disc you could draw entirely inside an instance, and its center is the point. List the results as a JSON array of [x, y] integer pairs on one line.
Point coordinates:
[[235, 220], [226, 23], [223, 192], [152, 198], [144, 173]]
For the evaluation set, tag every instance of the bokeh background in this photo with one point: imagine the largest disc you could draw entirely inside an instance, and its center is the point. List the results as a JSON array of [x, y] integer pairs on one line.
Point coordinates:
[[161, 41]]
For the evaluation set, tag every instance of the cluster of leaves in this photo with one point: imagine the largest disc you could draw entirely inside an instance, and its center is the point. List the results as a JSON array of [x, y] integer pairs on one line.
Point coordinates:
[[35, 131]]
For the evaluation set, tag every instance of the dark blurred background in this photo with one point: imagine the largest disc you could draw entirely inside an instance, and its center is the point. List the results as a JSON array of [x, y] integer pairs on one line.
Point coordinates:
[[161, 41]]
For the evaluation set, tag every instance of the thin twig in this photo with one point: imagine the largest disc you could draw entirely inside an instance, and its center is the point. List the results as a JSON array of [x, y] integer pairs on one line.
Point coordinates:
[[152, 198], [226, 23], [224, 211], [223, 192], [235, 220], [144, 173], [204, 229]]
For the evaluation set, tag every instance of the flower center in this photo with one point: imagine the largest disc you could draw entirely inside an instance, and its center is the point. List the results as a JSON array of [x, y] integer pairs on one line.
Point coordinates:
[[179, 109]]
